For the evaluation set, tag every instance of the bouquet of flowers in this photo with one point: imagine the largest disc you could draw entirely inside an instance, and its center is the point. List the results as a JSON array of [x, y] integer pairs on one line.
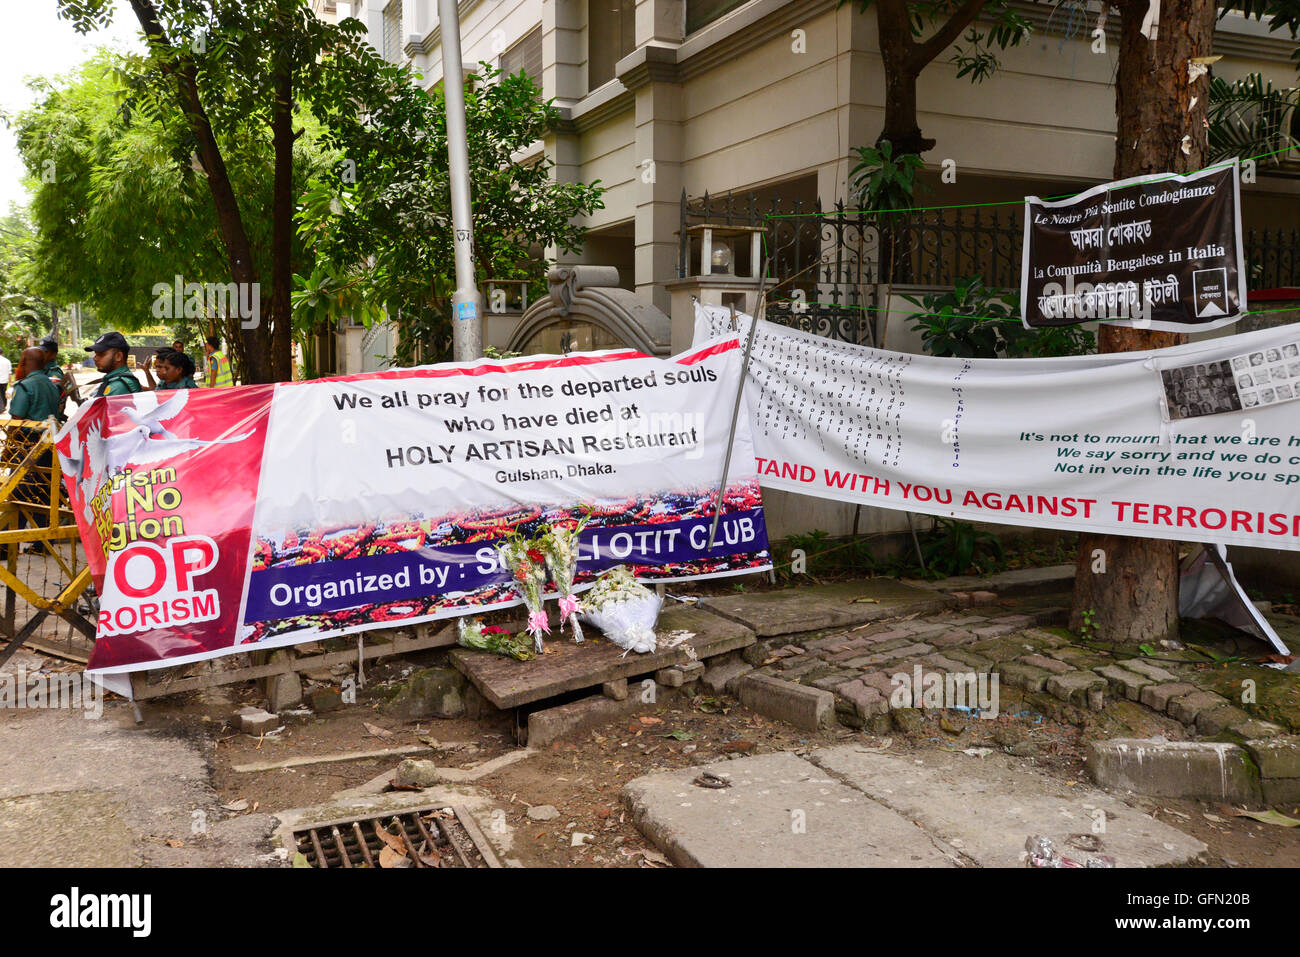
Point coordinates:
[[527, 566], [560, 546], [624, 609], [493, 638]]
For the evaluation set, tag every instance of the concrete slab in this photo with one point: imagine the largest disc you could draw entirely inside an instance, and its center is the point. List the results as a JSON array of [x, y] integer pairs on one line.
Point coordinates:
[[103, 792], [549, 725], [1212, 771], [807, 708], [819, 607], [1021, 581], [987, 807], [569, 666], [780, 811], [90, 829]]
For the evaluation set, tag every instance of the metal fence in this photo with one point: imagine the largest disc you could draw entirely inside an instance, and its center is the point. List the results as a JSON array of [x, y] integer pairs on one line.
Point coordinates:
[[1272, 257], [832, 255]]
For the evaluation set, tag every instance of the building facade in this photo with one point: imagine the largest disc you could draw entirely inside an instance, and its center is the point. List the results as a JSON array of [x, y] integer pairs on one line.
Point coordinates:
[[765, 99]]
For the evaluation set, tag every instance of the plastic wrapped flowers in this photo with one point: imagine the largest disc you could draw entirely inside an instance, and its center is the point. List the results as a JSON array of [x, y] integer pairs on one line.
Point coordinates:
[[527, 566], [474, 634], [560, 546], [624, 609]]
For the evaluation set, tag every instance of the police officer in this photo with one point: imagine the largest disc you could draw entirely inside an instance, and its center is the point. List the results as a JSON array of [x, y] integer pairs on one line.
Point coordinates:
[[35, 396], [50, 346], [53, 371], [110, 351]]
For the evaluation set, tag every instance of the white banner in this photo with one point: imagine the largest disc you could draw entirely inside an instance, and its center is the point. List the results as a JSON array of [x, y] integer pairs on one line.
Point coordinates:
[[1195, 443], [226, 520]]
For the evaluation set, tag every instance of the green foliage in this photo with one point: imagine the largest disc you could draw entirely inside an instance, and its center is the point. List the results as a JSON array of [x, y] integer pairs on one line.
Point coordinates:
[[973, 321], [384, 242], [1087, 631], [1000, 27], [23, 313], [117, 201], [1249, 118], [882, 182], [273, 81], [956, 548], [1280, 14], [976, 59], [826, 557]]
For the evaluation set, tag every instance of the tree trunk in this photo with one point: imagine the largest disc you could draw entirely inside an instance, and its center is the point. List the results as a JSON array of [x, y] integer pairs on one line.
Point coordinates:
[[1131, 584], [904, 57], [239, 253], [281, 332], [901, 127]]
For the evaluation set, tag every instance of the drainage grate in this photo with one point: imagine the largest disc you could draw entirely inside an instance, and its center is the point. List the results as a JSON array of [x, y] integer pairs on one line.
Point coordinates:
[[435, 836]]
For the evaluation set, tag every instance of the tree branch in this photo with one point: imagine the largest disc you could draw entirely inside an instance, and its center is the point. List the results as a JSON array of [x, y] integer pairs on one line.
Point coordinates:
[[945, 36]]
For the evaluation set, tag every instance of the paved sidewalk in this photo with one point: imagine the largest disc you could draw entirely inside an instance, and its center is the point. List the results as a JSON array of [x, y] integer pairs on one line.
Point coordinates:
[[99, 792], [851, 807]]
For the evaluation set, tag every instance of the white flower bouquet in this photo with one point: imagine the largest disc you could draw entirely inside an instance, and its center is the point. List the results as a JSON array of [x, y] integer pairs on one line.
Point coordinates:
[[527, 567], [624, 609], [560, 546]]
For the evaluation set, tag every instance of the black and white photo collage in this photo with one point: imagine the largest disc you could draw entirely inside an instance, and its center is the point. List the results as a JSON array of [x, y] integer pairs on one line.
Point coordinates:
[[1268, 376], [1247, 381]]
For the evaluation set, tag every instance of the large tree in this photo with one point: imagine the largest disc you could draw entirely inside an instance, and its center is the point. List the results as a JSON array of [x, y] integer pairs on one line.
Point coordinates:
[[237, 70], [1129, 586], [912, 35], [120, 205]]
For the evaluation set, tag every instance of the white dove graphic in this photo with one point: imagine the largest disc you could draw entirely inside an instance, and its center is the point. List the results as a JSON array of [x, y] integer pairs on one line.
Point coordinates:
[[140, 447], [93, 449]]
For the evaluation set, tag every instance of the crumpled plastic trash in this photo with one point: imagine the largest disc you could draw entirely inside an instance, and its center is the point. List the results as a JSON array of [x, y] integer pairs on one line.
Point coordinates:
[[1042, 853]]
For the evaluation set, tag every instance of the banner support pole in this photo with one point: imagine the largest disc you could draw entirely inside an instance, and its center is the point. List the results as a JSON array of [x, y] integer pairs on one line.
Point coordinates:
[[915, 541], [735, 409]]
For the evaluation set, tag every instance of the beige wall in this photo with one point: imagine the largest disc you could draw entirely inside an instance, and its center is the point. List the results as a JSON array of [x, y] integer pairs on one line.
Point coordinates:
[[768, 113], [759, 113]]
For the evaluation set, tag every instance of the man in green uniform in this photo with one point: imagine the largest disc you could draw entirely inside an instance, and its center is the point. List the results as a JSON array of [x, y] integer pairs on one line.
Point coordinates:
[[35, 396], [110, 351], [50, 346]]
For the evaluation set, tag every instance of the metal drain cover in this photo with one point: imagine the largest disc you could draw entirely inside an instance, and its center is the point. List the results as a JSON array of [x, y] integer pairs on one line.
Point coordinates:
[[434, 836]]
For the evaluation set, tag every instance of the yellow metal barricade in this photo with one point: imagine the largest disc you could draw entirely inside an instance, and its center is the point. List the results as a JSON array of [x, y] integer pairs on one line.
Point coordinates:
[[43, 568]]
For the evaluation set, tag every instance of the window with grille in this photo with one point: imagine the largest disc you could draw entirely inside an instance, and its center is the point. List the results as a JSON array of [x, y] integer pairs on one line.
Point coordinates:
[[525, 56], [611, 35], [393, 31]]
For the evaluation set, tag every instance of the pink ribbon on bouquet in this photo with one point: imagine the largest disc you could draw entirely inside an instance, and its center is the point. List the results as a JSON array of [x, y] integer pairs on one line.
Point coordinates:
[[569, 609], [569, 605], [537, 624]]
